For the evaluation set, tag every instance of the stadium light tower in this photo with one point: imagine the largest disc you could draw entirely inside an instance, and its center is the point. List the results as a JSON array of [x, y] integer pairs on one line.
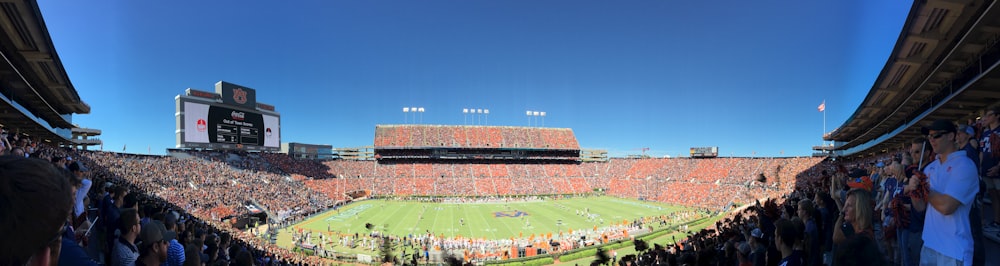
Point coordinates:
[[536, 115], [421, 111], [405, 110], [414, 111], [465, 116], [529, 117], [486, 113]]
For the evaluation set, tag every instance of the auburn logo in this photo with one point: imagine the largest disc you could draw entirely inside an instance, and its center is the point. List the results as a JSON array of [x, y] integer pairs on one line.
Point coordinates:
[[240, 95]]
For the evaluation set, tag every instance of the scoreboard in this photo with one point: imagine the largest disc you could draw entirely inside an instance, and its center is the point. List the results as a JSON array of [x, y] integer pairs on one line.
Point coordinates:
[[204, 121], [704, 152]]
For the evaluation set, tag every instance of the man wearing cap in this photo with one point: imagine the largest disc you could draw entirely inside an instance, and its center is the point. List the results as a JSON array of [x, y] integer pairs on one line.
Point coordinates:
[[953, 186], [758, 246], [965, 139], [175, 254], [80, 173], [154, 244]]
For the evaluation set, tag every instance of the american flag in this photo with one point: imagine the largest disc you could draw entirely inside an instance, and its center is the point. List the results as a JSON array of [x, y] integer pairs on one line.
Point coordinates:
[[822, 106]]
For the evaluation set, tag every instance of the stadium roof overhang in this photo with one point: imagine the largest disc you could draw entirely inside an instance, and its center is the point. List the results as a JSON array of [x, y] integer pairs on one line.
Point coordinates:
[[31, 74], [941, 67]]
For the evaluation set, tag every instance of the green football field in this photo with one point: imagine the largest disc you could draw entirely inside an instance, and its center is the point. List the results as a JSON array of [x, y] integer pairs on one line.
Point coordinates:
[[479, 220]]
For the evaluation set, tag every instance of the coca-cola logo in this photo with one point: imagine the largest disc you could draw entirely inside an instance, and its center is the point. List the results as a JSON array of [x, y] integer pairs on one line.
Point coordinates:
[[238, 115]]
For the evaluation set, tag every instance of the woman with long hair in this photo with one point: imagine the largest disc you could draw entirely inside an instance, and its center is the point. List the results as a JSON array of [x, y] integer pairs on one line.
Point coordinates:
[[853, 233]]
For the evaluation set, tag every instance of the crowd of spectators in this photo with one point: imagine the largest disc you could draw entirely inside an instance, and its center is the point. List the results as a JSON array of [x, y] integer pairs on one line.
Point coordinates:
[[692, 182], [914, 206], [133, 209], [474, 137], [806, 201]]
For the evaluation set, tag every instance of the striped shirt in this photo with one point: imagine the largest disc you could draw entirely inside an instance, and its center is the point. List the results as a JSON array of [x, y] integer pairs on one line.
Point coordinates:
[[175, 254]]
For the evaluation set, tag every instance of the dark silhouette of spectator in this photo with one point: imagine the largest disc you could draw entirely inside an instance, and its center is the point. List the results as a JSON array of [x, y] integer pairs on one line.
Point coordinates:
[[35, 202]]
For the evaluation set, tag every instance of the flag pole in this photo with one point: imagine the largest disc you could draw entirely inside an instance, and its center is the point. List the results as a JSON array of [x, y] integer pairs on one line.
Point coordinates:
[[824, 123]]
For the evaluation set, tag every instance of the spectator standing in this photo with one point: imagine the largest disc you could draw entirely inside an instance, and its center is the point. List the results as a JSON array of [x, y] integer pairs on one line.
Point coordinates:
[[154, 244], [965, 138], [175, 254], [79, 209], [853, 233], [785, 237], [125, 253], [953, 187], [811, 240], [34, 203], [989, 167]]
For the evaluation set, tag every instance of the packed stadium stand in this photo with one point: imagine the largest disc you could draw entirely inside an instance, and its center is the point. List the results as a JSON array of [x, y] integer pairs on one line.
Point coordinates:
[[943, 66]]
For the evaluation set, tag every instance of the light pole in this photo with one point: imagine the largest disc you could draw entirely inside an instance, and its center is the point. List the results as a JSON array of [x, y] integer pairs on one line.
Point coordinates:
[[421, 111], [529, 117], [535, 114], [465, 116], [478, 115], [414, 110]]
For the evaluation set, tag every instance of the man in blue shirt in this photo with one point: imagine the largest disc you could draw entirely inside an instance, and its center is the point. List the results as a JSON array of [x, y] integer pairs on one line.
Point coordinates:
[[175, 253]]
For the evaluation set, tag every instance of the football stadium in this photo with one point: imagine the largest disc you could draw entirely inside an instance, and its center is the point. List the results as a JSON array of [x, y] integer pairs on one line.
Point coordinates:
[[909, 178]]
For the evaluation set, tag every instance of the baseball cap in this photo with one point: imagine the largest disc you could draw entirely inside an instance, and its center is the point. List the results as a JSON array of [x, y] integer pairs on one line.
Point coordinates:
[[967, 129], [170, 218], [757, 233], [939, 125], [744, 248], [78, 167], [152, 232]]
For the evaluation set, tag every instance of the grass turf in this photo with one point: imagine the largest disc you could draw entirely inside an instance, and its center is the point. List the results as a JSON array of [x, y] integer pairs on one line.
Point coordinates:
[[478, 220]]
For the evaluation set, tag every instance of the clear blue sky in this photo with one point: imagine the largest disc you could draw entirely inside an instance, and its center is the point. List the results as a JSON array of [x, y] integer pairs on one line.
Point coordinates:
[[745, 76]]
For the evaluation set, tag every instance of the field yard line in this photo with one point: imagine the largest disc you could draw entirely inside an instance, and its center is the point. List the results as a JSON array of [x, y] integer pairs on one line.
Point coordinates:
[[486, 222], [550, 221], [386, 218], [451, 220], [505, 224], [434, 225], [416, 224]]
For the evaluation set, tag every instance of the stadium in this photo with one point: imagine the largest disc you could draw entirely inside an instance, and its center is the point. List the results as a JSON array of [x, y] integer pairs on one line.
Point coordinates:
[[233, 193]]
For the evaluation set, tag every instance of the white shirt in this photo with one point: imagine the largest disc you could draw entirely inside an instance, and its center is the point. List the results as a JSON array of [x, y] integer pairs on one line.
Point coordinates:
[[78, 207], [951, 235]]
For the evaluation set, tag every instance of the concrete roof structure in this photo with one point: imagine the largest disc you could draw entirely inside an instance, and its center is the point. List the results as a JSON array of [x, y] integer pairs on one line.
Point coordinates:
[[943, 66], [36, 95]]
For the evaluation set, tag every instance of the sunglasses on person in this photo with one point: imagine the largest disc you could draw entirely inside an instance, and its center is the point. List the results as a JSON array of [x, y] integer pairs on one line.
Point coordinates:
[[938, 135]]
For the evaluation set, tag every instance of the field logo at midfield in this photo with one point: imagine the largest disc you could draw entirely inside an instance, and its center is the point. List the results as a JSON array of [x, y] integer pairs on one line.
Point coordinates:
[[349, 213], [514, 214]]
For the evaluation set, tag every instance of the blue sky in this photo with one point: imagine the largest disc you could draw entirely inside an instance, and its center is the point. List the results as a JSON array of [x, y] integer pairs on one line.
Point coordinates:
[[745, 76]]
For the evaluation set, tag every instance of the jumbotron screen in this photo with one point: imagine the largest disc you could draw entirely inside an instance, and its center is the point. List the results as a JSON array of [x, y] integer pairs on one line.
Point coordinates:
[[204, 123]]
